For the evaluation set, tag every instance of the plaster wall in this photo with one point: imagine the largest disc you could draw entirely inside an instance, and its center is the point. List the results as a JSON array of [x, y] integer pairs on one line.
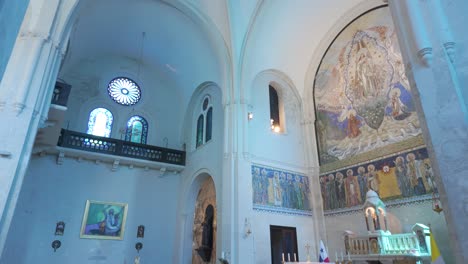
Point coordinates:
[[53, 193], [261, 222], [11, 17], [285, 148], [289, 44], [201, 163], [400, 219], [160, 103]]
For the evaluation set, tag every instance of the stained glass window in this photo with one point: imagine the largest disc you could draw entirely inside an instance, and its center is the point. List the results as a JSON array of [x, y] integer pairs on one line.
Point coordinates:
[[200, 131], [209, 119], [274, 108], [100, 122], [204, 123], [137, 130], [124, 91]]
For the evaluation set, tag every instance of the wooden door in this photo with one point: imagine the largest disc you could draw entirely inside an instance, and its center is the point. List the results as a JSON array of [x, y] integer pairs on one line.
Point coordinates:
[[283, 241]]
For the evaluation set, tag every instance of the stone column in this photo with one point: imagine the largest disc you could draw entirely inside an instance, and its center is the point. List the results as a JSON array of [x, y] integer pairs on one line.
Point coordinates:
[[440, 105], [227, 228], [25, 92], [313, 172]]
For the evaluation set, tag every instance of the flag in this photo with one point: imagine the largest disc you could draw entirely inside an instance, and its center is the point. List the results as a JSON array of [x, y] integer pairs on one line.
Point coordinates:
[[323, 253], [436, 258]]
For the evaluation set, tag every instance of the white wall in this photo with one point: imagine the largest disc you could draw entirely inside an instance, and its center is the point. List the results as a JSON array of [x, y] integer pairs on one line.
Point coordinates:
[[261, 223], [204, 161], [11, 16], [53, 193], [160, 103], [265, 146]]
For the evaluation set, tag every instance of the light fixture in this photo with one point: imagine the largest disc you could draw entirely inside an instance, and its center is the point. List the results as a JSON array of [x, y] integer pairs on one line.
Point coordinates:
[[436, 206], [247, 228], [250, 116], [274, 127]]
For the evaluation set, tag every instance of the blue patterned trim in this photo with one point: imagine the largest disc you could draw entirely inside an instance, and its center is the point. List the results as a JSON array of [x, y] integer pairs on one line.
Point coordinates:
[[277, 210], [423, 199]]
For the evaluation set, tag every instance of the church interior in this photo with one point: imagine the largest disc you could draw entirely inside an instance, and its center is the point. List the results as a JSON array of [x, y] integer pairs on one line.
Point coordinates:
[[233, 131]]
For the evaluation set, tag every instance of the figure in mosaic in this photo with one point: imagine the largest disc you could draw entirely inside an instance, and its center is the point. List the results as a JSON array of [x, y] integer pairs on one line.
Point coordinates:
[[353, 196], [429, 177], [331, 190], [362, 180], [403, 180], [277, 189], [414, 173], [373, 181], [340, 190], [323, 191]]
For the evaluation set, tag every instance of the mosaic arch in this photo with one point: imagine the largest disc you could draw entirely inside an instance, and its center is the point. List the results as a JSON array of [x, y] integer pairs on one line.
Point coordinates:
[[366, 121]]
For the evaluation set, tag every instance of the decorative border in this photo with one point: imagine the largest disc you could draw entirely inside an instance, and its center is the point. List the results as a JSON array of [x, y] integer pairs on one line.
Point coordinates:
[[407, 150], [284, 211], [390, 204], [375, 154]]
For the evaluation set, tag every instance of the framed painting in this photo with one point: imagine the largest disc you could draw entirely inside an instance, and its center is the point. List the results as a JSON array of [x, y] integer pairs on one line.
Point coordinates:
[[104, 220]]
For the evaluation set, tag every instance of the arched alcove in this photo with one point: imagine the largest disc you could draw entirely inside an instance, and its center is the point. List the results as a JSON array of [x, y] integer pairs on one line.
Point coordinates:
[[201, 195]]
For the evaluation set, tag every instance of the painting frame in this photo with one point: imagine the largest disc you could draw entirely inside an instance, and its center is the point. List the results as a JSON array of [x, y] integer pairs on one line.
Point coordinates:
[[98, 215]]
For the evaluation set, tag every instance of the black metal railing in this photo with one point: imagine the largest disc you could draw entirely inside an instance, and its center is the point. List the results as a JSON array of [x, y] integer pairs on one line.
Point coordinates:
[[111, 146]]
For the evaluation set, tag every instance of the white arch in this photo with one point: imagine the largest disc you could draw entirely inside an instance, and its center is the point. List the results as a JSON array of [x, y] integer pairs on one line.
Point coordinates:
[[198, 95], [187, 202]]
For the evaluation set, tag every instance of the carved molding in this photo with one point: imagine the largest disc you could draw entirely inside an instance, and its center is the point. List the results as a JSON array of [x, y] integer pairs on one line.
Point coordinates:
[[115, 165], [450, 49], [60, 158], [425, 55], [162, 172]]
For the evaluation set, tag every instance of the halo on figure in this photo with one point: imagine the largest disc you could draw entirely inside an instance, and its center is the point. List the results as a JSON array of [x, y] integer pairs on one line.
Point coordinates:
[[395, 92], [352, 112]]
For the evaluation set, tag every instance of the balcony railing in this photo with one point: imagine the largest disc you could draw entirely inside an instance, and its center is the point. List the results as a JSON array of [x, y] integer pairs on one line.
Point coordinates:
[[386, 244], [111, 146]]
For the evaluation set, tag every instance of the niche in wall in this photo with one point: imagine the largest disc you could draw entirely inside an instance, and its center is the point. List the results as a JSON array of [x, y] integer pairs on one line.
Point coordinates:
[[204, 226]]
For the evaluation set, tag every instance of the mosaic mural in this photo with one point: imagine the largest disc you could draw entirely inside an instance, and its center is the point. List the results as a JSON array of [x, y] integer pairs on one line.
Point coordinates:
[[403, 175], [282, 191], [363, 98]]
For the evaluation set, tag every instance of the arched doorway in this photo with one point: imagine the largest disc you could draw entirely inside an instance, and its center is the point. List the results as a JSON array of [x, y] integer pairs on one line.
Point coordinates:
[[204, 224]]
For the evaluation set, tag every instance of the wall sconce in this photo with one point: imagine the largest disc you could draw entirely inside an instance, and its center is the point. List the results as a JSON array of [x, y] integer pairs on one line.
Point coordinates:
[[247, 228], [59, 228], [274, 126], [138, 246], [56, 244], [141, 231], [436, 207], [249, 116]]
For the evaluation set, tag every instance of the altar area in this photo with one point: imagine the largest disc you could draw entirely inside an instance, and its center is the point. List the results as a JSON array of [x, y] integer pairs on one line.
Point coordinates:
[[379, 244]]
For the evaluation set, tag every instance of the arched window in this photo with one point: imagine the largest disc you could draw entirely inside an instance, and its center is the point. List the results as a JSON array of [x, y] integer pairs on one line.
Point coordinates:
[[204, 123], [100, 122], [200, 131], [274, 110], [137, 130], [209, 120]]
